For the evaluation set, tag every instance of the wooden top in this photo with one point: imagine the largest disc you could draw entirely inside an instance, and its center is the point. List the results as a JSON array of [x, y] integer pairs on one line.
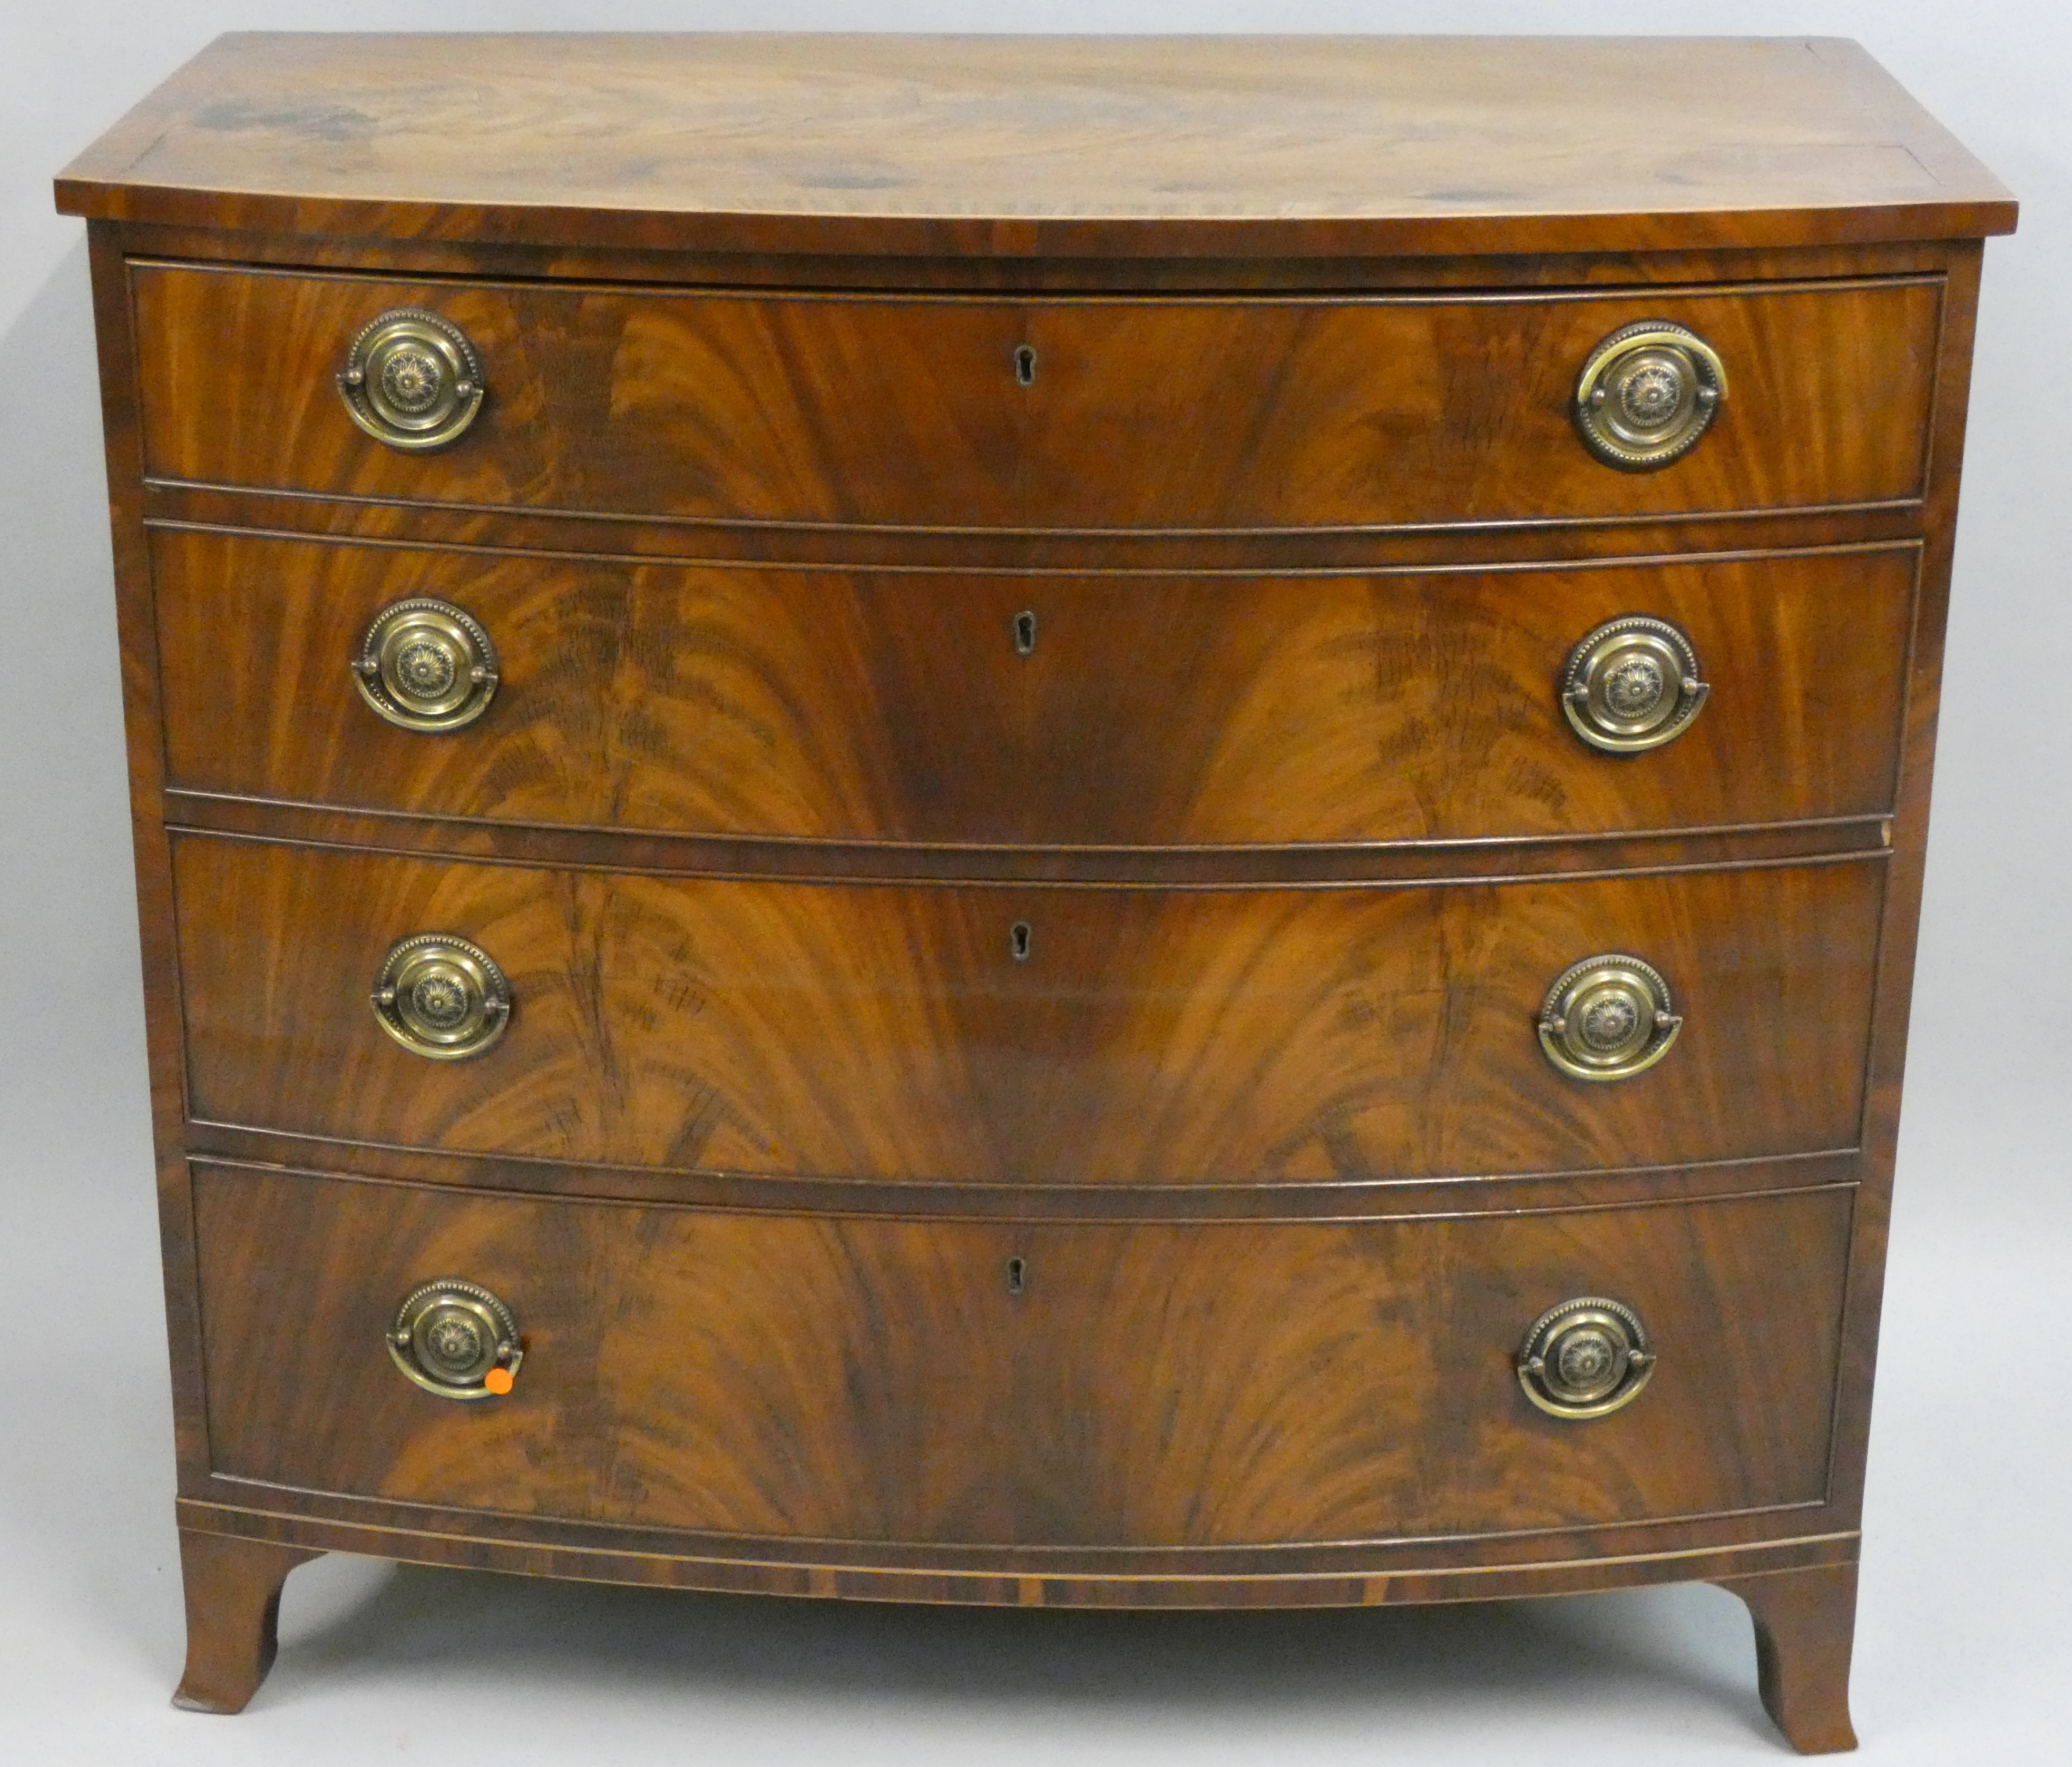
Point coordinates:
[[1016, 147]]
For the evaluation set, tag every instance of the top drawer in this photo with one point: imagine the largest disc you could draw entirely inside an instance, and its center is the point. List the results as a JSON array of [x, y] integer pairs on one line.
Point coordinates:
[[956, 412]]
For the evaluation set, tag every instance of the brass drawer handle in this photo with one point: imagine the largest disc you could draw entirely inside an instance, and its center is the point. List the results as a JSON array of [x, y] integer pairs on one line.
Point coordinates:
[[412, 381], [1647, 393], [442, 997], [1585, 1359], [425, 665], [1631, 684], [457, 1340], [1608, 1018]]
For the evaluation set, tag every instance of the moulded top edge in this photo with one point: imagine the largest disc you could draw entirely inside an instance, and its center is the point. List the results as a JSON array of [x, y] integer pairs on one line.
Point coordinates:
[[1135, 146]]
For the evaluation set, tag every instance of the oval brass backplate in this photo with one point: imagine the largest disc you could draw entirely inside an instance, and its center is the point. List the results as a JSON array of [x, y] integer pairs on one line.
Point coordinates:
[[1647, 393], [426, 665], [1632, 684], [1585, 1359], [440, 996], [1608, 1018], [456, 1339], [412, 381]]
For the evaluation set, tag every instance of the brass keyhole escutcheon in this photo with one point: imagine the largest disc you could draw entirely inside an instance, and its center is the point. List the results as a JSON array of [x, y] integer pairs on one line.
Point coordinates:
[[1608, 1018], [1632, 684], [457, 1340], [1020, 937], [1585, 1359], [1018, 1275], [425, 665], [1647, 393], [412, 381], [1025, 633], [1025, 365], [440, 996]]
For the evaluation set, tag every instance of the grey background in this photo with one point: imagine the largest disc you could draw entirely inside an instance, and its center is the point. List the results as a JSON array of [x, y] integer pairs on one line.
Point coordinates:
[[1964, 1635]]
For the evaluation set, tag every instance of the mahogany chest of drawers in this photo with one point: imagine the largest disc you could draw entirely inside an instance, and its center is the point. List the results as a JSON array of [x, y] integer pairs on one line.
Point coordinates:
[[1031, 821]]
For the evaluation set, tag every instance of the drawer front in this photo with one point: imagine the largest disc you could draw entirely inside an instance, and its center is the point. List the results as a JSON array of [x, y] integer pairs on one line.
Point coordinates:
[[1152, 1035], [1138, 414], [1133, 711], [1155, 1386]]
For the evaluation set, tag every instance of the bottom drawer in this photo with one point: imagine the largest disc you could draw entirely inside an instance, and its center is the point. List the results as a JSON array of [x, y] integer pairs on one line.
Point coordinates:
[[1145, 1385]]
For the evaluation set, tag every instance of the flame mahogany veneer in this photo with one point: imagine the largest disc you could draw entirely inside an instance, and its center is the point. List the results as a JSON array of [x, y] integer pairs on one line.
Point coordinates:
[[1023, 804]]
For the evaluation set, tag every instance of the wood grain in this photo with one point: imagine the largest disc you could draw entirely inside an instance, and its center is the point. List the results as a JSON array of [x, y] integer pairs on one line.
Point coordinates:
[[893, 706], [1018, 147], [1143, 414], [1196, 1386], [1151, 1037]]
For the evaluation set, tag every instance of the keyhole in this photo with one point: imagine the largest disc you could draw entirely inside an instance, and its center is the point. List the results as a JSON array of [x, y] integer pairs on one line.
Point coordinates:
[[1025, 365], [1017, 1272], [1025, 633], [1017, 941]]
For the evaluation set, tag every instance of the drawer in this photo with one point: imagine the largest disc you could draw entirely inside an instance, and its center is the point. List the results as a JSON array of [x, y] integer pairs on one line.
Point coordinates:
[[1152, 1385], [1192, 413], [1143, 1035], [905, 706]]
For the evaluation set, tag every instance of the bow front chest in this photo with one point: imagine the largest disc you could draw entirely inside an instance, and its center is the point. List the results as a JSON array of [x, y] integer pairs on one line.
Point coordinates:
[[1031, 820]]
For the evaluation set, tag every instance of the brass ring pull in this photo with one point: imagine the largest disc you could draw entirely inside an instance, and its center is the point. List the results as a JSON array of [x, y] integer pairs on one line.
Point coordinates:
[[442, 997], [424, 665], [1632, 684], [1647, 393], [1585, 1359], [1607, 1018], [457, 1340], [412, 381]]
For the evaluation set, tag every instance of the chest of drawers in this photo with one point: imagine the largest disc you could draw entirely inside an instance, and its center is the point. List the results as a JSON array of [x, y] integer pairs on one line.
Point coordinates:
[[1031, 821]]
